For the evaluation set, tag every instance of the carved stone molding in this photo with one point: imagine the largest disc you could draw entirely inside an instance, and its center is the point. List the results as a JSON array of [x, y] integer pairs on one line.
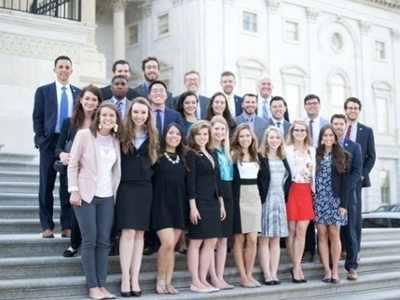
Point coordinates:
[[145, 8], [119, 5], [364, 26], [176, 2], [395, 34], [390, 4], [312, 13], [273, 5], [34, 47]]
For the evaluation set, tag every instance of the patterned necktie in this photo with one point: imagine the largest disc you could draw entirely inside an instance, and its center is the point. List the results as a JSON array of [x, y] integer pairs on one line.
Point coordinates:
[[63, 107], [348, 132], [311, 129], [119, 105], [265, 110], [158, 123]]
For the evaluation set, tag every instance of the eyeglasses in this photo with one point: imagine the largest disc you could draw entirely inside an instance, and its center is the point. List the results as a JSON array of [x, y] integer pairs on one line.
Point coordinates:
[[151, 67], [155, 91], [299, 130], [191, 79], [311, 103]]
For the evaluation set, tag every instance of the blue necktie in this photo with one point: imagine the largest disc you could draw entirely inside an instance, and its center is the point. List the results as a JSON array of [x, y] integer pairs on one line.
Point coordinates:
[[265, 110], [158, 123], [63, 107]]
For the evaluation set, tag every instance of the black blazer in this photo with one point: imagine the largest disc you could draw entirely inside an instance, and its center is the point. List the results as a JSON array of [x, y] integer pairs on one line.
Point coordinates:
[[107, 93], [238, 105], [365, 137], [340, 184], [64, 138], [136, 166], [202, 101], [264, 178], [142, 91], [203, 181]]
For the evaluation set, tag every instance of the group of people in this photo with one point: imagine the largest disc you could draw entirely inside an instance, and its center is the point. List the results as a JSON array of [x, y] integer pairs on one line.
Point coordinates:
[[143, 161]]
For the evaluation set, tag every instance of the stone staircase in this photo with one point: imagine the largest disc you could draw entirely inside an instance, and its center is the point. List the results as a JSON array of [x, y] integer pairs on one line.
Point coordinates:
[[33, 268]]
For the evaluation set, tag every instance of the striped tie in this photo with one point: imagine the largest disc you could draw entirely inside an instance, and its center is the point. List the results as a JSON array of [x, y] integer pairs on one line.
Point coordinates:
[[265, 110], [348, 132]]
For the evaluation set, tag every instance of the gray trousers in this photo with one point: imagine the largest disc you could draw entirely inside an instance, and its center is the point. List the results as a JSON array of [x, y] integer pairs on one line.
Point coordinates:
[[95, 221]]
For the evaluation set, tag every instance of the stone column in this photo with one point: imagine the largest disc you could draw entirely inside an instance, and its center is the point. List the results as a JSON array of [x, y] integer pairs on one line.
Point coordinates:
[[89, 17], [119, 7], [313, 50]]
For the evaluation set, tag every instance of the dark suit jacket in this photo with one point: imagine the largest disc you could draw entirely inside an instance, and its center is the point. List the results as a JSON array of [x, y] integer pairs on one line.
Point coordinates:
[[142, 91], [286, 125], [107, 93], [264, 178], [45, 111], [340, 185], [365, 137], [172, 116], [67, 133], [136, 166], [238, 105], [286, 115], [203, 102], [354, 166], [260, 125]]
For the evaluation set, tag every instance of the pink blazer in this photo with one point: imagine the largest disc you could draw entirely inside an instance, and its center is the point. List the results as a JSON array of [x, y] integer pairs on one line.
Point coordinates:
[[86, 150]]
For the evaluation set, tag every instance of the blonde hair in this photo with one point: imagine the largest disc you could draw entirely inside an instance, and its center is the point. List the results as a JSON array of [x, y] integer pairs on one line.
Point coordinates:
[[290, 138], [237, 154], [263, 150], [225, 141], [196, 127]]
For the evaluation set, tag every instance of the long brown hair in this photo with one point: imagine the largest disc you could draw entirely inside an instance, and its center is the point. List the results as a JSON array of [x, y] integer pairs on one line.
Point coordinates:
[[226, 113], [196, 127], [236, 149], [95, 124], [78, 115], [338, 154], [130, 126]]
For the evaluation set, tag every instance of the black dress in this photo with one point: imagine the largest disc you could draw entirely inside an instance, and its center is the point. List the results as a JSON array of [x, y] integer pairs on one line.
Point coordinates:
[[204, 185], [169, 207], [135, 191]]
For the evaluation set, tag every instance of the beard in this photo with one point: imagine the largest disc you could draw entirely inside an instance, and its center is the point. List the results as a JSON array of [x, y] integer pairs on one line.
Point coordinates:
[[149, 79]]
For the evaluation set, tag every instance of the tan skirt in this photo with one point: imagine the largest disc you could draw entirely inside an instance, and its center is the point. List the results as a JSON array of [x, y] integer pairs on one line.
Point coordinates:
[[250, 208]]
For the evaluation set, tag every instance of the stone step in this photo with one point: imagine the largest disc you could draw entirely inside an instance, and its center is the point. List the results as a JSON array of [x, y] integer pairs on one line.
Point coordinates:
[[23, 226], [19, 166], [24, 211], [22, 187], [380, 234], [378, 294], [20, 157], [24, 199], [29, 177]]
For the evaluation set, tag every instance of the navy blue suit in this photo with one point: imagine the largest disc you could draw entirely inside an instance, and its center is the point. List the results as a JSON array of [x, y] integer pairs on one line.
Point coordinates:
[[107, 93], [348, 232], [238, 105], [44, 117], [172, 116], [142, 91]]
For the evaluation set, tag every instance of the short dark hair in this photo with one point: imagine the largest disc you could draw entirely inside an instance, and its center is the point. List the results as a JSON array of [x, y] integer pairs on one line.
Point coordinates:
[[227, 73], [352, 99], [248, 95], [61, 58], [339, 116], [277, 98], [119, 76], [120, 62], [311, 96], [149, 58], [157, 82]]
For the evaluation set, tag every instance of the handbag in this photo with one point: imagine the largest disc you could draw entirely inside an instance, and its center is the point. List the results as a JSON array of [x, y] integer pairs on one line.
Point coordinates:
[[58, 165]]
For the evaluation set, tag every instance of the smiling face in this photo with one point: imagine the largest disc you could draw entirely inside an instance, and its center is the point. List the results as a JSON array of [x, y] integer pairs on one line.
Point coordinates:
[[63, 70], [265, 87], [107, 120], [122, 69], [352, 111], [249, 105], [278, 109], [244, 138], [201, 138], [218, 132], [340, 126], [158, 95], [119, 88], [189, 105], [312, 107], [139, 114], [192, 82], [89, 102], [273, 140], [228, 84], [299, 133], [151, 71], [219, 105], [172, 139], [328, 138]]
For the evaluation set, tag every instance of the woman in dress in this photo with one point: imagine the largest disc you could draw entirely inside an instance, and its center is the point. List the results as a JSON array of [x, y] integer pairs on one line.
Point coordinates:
[[218, 107], [206, 205], [186, 106], [247, 203], [274, 182], [81, 118], [219, 129], [169, 203], [94, 172], [299, 208], [330, 199], [135, 193]]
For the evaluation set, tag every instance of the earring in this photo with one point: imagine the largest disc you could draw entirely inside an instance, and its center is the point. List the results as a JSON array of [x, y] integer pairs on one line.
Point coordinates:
[[115, 128], [322, 142], [99, 126], [266, 145]]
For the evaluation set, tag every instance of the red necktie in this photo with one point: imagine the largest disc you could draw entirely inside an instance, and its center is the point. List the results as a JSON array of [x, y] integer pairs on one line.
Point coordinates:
[[348, 132]]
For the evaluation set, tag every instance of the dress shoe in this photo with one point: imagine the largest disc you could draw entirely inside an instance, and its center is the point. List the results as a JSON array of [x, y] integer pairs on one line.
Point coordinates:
[[48, 233], [277, 282], [326, 280], [125, 294], [343, 255], [66, 233], [97, 297], [269, 282], [352, 274], [335, 280], [293, 279], [148, 251], [307, 257], [303, 279], [136, 293], [69, 252], [195, 289]]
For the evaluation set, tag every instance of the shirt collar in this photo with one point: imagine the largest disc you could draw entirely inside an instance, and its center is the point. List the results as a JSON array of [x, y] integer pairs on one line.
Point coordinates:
[[316, 120], [116, 100], [153, 108], [60, 85], [246, 116]]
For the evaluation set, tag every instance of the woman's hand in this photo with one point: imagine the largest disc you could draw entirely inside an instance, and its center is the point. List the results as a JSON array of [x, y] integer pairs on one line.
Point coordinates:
[[194, 216], [64, 158], [75, 199], [341, 212], [222, 212]]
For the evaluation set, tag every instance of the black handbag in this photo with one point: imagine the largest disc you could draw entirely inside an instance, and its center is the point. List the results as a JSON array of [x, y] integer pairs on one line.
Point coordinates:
[[58, 165]]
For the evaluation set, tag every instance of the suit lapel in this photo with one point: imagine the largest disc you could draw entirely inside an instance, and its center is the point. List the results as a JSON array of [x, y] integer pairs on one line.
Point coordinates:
[[97, 150]]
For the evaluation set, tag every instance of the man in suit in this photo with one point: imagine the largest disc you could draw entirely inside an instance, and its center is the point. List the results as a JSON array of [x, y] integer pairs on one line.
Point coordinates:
[[312, 106], [53, 103], [119, 88], [120, 67], [228, 82], [364, 136], [257, 124], [192, 81], [278, 109], [348, 232], [151, 71], [265, 88]]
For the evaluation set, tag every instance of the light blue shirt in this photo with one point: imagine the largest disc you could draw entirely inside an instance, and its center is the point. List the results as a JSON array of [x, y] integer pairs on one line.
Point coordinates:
[[140, 140], [225, 165], [252, 121]]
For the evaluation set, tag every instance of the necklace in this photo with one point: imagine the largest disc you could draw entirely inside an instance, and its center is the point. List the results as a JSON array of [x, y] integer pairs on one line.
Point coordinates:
[[176, 161]]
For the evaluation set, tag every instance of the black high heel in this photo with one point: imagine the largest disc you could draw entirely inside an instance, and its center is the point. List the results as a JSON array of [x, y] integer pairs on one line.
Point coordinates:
[[293, 279]]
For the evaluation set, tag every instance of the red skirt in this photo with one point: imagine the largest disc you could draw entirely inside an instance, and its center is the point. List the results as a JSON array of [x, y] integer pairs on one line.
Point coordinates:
[[299, 206]]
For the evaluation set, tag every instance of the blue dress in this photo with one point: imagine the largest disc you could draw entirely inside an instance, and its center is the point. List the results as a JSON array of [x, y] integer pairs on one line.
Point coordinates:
[[325, 205]]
